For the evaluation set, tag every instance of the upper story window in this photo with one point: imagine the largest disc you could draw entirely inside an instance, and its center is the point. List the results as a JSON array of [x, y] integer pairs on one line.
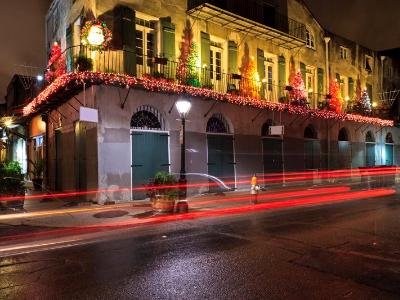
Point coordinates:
[[310, 40], [368, 63], [344, 53]]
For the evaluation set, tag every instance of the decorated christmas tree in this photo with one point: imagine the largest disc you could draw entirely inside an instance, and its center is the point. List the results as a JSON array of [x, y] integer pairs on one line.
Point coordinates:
[[297, 93], [250, 81], [362, 102], [56, 65], [334, 102], [193, 65], [188, 63]]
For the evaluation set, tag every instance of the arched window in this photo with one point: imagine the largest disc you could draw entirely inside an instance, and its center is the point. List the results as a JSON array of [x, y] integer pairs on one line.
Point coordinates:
[[369, 137], [389, 138], [310, 40], [218, 124], [265, 127], [310, 132], [343, 134], [147, 117]]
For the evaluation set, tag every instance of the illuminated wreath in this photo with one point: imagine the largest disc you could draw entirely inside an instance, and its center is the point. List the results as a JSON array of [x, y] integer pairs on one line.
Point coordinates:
[[96, 35]]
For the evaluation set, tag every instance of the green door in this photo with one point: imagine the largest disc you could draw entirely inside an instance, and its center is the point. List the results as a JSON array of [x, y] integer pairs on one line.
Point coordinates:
[[312, 154], [370, 157], [58, 137], [149, 156], [344, 155], [272, 155], [220, 158], [389, 154]]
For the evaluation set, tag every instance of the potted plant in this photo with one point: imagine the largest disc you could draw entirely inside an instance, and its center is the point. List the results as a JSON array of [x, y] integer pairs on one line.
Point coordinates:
[[83, 63], [12, 184], [162, 192], [37, 173]]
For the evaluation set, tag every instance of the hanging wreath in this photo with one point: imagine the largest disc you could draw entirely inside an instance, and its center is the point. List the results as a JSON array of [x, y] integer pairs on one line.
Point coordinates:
[[96, 35]]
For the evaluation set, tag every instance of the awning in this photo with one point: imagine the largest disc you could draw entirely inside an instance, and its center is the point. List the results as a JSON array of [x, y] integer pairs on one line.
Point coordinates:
[[226, 19]]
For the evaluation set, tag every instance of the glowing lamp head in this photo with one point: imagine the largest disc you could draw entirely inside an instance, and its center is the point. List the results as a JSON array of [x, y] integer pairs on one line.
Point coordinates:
[[310, 90], [264, 80], [95, 35], [39, 78], [8, 123], [183, 106], [374, 104], [347, 98]]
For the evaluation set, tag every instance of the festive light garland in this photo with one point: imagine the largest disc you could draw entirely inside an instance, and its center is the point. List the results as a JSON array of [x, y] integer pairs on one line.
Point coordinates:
[[170, 87]]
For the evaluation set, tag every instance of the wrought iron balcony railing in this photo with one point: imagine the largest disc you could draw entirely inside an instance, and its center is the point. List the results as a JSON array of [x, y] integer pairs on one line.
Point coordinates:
[[81, 58], [256, 10]]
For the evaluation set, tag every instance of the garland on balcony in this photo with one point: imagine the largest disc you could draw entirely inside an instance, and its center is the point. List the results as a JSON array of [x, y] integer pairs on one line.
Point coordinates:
[[170, 87]]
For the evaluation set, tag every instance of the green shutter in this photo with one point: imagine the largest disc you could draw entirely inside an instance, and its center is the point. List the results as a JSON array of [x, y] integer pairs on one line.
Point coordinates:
[[369, 91], [232, 57], [320, 83], [351, 88], [70, 50], [281, 75], [125, 36], [303, 71], [261, 70], [205, 49], [168, 39], [260, 63]]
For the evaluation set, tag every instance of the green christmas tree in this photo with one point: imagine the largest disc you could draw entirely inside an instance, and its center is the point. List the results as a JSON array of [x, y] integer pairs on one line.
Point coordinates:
[[362, 102], [187, 72]]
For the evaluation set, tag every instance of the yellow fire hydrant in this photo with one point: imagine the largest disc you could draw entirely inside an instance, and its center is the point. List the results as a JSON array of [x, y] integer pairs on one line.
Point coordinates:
[[254, 189]]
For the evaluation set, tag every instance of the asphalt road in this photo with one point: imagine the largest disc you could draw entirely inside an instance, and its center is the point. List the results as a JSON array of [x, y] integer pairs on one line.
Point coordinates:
[[345, 250]]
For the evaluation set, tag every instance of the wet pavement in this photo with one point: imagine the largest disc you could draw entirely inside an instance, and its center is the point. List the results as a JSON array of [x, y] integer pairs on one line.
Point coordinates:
[[344, 250]]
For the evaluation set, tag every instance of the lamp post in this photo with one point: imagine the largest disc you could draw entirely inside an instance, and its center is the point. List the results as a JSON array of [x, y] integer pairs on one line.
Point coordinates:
[[183, 107]]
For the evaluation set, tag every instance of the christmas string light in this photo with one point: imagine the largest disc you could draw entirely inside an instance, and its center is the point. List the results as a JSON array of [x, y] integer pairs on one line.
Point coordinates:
[[170, 87]]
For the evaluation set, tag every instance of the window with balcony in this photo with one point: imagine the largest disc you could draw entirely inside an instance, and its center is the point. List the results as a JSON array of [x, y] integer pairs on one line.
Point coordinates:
[[310, 40], [344, 53], [368, 63], [145, 48]]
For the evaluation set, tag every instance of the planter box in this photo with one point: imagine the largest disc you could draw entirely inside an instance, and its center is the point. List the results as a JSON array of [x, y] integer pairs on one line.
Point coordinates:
[[163, 205]]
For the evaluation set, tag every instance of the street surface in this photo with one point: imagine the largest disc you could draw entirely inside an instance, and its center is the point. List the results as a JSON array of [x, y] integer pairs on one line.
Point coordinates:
[[345, 249]]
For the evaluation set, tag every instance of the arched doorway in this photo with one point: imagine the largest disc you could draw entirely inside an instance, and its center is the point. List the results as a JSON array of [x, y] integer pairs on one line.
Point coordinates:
[[272, 150], [220, 150], [150, 152], [370, 149], [344, 149], [312, 149], [388, 154]]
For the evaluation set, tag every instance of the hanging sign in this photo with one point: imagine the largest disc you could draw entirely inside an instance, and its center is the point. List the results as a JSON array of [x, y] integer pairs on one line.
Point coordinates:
[[87, 114]]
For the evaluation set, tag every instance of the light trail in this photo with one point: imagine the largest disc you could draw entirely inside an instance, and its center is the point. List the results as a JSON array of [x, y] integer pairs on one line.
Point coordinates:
[[344, 197], [195, 203], [282, 177]]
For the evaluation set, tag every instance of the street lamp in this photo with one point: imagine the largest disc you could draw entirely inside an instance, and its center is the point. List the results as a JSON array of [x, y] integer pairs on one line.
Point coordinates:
[[183, 107]]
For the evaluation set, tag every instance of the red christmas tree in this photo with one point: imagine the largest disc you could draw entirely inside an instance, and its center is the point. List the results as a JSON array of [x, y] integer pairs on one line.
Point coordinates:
[[297, 94], [56, 65], [335, 104], [185, 48]]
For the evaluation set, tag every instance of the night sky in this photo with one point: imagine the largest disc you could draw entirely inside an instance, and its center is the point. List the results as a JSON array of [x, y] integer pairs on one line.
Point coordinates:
[[373, 23]]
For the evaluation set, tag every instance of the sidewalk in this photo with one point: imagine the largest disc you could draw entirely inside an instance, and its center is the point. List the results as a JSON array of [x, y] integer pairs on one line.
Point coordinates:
[[57, 213]]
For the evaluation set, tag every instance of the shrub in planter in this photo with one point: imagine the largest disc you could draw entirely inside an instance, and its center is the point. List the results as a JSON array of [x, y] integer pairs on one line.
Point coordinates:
[[11, 184], [37, 173], [83, 63], [162, 192]]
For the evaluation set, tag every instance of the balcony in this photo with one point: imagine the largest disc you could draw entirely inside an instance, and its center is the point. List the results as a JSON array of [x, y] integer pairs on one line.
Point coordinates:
[[252, 17], [156, 73]]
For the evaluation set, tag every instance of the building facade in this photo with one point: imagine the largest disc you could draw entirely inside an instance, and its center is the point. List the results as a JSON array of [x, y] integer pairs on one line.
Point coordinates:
[[134, 85]]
